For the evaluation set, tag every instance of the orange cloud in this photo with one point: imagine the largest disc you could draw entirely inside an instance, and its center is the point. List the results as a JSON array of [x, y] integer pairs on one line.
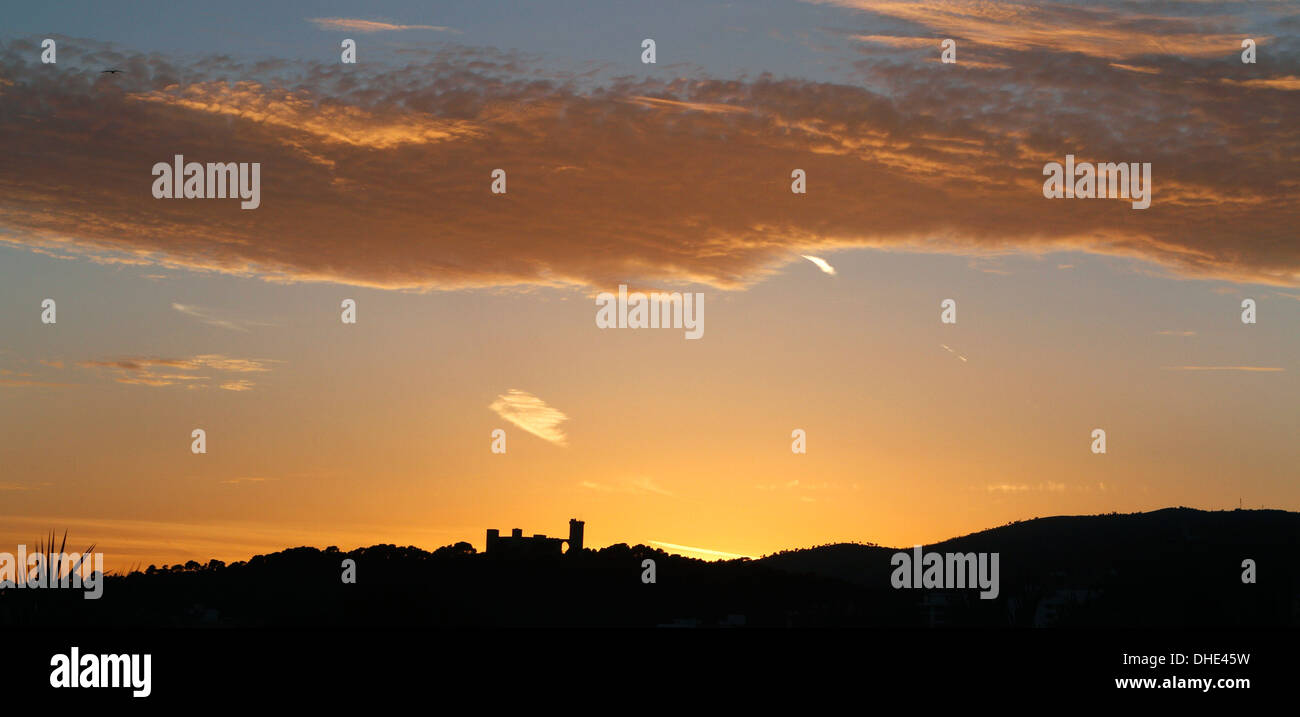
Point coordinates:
[[298, 113], [1096, 30], [143, 371], [531, 414], [344, 23], [1290, 84], [640, 181]]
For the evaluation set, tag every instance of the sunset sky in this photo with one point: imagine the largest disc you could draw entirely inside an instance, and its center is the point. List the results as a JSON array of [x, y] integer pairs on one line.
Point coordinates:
[[924, 183]]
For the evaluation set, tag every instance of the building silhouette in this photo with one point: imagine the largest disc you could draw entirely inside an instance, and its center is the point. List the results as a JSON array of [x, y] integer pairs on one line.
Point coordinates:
[[517, 545]]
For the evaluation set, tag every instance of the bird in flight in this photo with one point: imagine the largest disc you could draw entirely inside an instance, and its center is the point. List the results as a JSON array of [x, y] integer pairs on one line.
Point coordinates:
[[111, 72]]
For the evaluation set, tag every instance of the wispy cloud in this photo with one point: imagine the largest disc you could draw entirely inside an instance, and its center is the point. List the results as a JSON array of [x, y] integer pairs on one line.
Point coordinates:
[[664, 103], [800, 489], [20, 487], [154, 371], [1049, 487], [641, 485], [12, 378], [26, 383], [898, 40], [355, 25], [955, 354], [1291, 83], [698, 551], [531, 414], [1136, 68], [209, 317], [297, 113], [821, 264], [1093, 29], [1223, 368]]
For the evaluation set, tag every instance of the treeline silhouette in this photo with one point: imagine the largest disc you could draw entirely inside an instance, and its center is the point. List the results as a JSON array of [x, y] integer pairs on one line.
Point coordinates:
[[1173, 567]]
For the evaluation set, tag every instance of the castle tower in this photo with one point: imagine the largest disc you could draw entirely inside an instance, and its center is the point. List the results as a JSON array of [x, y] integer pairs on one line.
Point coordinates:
[[575, 534]]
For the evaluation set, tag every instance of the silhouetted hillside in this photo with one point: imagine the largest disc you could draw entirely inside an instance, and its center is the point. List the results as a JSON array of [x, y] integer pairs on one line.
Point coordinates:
[[1169, 567], [1175, 566]]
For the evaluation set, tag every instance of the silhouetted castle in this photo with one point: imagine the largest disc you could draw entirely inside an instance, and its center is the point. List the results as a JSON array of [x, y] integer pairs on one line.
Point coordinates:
[[516, 545]]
